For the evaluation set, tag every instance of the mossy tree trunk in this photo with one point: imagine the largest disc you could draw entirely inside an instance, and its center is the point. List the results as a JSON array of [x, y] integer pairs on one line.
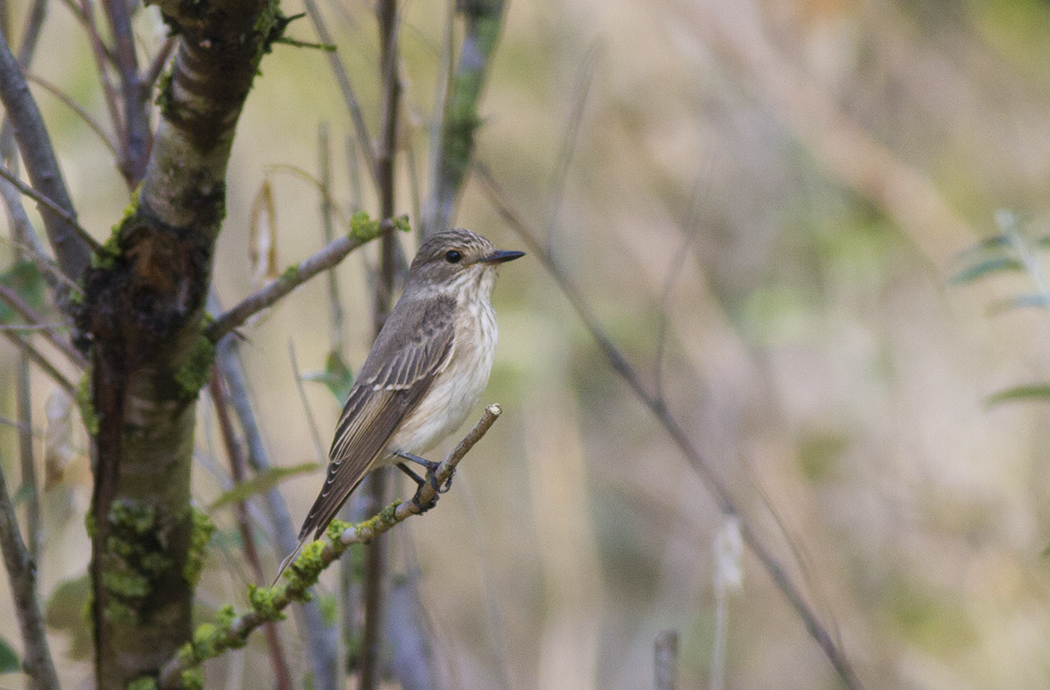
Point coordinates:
[[141, 316]]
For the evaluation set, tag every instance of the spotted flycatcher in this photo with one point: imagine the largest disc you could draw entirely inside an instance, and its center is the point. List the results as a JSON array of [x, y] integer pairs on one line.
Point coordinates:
[[424, 373]]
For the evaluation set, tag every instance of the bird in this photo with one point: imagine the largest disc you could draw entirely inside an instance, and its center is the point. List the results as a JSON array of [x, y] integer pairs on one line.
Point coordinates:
[[425, 372]]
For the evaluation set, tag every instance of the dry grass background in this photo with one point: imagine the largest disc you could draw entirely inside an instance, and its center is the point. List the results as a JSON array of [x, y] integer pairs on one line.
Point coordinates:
[[782, 187]]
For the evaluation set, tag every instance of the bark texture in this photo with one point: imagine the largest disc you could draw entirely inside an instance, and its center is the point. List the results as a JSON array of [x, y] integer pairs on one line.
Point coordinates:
[[141, 316]]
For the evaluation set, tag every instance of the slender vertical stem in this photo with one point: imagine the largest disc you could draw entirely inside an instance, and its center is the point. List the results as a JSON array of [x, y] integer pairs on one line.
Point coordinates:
[[20, 574], [310, 622], [236, 458], [375, 567], [24, 406], [665, 661], [334, 303], [136, 142]]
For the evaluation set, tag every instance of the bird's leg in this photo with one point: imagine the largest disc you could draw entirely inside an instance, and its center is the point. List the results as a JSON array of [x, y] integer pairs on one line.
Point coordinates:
[[412, 475], [431, 469]]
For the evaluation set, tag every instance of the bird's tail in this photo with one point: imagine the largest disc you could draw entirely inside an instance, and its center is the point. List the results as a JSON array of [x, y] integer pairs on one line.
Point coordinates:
[[290, 557]]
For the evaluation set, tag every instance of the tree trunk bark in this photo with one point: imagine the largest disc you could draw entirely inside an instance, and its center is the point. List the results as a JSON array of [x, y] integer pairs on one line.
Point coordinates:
[[141, 315]]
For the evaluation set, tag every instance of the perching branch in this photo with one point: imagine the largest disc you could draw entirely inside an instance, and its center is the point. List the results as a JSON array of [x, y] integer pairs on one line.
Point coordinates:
[[231, 632], [35, 147], [292, 278], [21, 576], [657, 406]]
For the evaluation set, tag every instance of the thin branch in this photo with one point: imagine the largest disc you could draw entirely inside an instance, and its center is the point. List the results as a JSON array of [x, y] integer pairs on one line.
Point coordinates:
[[277, 654], [108, 90], [292, 278], [67, 218], [76, 108], [137, 135], [311, 423], [335, 307], [49, 331], [377, 482], [658, 408], [156, 66], [267, 604], [24, 411], [35, 145], [364, 141], [568, 142], [22, 579], [40, 361]]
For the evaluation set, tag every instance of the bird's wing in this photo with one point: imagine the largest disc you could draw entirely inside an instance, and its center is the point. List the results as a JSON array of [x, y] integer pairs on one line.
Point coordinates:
[[397, 374]]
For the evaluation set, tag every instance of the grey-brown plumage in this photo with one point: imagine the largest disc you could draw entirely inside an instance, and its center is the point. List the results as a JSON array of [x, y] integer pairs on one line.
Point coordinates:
[[425, 371]]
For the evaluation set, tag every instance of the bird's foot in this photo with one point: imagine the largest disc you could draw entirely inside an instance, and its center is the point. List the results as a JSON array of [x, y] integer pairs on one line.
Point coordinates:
[[431, 478]]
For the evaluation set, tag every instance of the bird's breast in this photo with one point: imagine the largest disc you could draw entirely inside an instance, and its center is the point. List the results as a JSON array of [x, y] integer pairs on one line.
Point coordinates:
[[457, 388]]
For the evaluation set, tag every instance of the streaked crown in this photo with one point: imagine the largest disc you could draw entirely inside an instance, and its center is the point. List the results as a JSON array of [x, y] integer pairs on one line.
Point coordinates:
[[455, 257]]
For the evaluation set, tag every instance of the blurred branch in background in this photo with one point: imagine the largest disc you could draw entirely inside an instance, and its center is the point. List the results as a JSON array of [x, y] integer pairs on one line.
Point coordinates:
[[22, 579], [658, 408], [842, 146], [278, 658], [452, 134], [665, 660], [309, 618]]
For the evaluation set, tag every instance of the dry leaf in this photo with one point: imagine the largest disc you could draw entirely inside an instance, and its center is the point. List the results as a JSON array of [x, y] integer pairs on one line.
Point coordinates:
[[262, 237], [58, 436]]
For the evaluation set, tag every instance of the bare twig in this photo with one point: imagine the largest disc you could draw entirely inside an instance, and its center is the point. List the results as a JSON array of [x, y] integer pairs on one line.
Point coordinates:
[[35, 145], [24, 411], [277, 655], [49, 331], [108, 91], [658, 408], [156, 66], [335, 305], [303, 573], [568, 142], [346, 88], [22, 579], [289, 280], [311, 423], [376, 483], [136, 131], [54, 207], [40, 361], [319, 636], [83, 114]]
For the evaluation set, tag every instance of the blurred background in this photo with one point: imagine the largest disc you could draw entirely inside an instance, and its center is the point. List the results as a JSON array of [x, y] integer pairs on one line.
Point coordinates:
[[763, 203]]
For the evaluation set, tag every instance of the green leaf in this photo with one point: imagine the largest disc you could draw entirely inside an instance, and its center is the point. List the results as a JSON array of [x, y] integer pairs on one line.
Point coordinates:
[[261, 482], [336, 376], [979, 270], [1032, 392], [9, 661], [1019, 302], [66, 610]]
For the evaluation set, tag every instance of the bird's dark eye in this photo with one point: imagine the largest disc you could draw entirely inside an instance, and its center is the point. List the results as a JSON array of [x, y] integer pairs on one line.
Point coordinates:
[[452, 256]]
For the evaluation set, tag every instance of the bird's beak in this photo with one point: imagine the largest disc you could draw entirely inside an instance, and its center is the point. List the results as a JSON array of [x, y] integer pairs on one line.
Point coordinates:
[[501, 256]]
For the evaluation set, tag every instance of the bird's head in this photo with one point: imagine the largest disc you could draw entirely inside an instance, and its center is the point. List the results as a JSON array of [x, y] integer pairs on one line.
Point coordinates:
[[456, 259]]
